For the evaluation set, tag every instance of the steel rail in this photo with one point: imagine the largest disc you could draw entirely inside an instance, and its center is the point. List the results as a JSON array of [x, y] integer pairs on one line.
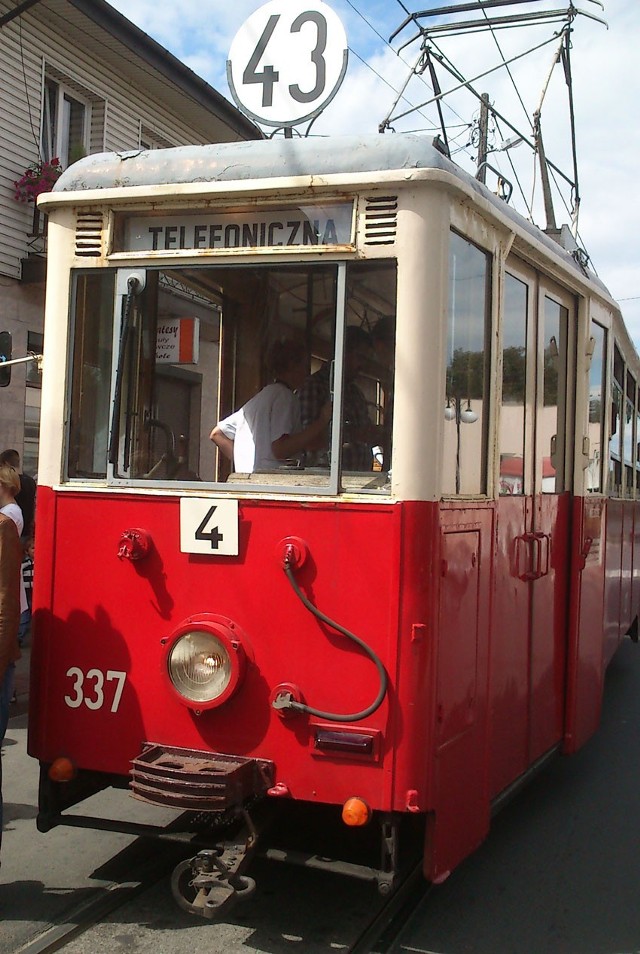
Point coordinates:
[[380, 935], [104, 901]]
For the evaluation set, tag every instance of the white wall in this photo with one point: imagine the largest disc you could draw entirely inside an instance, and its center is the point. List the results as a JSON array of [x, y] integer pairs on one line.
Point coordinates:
[[26, 43]]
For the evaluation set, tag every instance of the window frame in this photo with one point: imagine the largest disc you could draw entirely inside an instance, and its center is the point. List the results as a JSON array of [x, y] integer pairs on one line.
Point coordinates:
[[336, 483], [55, 139]]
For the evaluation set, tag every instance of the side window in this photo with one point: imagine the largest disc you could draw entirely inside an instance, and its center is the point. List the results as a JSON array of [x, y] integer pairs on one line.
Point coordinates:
[[597, 390], [552, 403], [514, 381], [92, 323], [467, 377], [617, 413], [629, 435], [637, 445]]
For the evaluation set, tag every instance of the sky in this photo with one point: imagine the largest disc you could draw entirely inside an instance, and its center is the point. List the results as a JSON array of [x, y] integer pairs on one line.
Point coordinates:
[[605, 66]]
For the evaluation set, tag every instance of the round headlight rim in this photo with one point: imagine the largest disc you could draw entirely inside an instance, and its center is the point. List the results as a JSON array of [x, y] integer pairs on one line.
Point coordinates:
[[226, 632]]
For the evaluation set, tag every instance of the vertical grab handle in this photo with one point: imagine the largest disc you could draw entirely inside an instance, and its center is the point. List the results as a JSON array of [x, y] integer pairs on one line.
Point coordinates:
[[532, 555], [542, 541], [524, 558]]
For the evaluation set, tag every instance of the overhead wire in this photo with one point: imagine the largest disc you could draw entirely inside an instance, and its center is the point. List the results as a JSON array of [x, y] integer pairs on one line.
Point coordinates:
[[409, 65], [467, 83], [464, 83], [564, 51], [26, 89], [387, 83], [506, 65], [515, 174], [524, 108]]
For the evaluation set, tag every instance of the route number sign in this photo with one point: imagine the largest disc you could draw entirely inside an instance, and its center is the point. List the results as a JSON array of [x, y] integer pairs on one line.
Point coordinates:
[[209, 525], [287, 61]]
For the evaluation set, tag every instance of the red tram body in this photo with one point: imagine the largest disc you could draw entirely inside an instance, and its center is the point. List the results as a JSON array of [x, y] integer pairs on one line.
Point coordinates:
[[493, 609]]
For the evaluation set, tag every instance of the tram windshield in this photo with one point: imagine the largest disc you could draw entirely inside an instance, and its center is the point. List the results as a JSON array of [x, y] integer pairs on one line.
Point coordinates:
[[161, 356]]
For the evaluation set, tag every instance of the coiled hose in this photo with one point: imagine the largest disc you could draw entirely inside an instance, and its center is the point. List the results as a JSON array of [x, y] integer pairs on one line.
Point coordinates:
[[382, 691]]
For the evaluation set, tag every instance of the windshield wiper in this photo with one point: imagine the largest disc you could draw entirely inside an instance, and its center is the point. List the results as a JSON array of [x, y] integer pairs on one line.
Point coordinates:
[[134, 287]]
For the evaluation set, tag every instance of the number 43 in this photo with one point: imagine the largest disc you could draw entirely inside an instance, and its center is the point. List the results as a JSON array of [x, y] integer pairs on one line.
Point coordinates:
[[269, 76]]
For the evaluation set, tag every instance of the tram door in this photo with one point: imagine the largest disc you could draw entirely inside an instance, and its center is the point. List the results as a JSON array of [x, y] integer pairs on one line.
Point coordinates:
[[528, 646]]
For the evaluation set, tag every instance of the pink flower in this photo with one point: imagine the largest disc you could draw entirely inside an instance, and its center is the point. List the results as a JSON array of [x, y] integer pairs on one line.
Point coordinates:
[[39, 177]]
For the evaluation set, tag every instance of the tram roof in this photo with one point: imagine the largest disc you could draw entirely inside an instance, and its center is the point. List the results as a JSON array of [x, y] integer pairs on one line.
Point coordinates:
[[286, 158], [264, 159]]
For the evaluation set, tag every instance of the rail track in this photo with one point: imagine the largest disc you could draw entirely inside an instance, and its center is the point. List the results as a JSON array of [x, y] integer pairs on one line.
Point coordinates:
[[154, 864], [151, 866], [380, 935]]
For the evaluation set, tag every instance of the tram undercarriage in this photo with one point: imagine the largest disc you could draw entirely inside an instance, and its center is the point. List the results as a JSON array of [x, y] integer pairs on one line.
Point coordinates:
[[231, 812]]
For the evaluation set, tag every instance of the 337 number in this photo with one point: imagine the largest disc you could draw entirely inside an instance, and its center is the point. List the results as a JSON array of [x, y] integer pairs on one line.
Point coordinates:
[[89, 688]]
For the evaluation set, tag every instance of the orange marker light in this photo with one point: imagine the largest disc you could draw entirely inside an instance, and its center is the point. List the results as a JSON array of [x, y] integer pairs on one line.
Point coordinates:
[[62, 770], [355, 812]]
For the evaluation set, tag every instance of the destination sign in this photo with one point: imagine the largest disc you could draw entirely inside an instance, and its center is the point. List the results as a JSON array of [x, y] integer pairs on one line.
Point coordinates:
[[327, 225]]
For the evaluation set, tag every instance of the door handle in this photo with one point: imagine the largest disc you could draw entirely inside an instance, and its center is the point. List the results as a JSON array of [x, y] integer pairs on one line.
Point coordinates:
[[532, 555], [541, 542]]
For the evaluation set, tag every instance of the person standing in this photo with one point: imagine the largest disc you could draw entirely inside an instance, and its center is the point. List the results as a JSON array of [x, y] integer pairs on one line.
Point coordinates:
[[359, 433], [10, 561], [267, 431], [27, 581], [26, 496], [9, 489]]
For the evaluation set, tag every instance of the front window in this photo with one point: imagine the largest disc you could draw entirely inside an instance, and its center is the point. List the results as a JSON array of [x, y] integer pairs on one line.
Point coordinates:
[[236, 375]]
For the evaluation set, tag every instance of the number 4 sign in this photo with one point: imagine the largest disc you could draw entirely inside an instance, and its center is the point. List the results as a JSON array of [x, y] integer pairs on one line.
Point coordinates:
[[209, 525], [287, 61]]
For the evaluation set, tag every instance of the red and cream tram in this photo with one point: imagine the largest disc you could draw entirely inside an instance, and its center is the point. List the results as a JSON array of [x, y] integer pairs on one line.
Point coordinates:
[[401, 643]]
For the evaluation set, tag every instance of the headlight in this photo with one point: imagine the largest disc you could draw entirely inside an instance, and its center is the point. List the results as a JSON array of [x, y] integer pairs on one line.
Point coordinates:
[[205, 663]]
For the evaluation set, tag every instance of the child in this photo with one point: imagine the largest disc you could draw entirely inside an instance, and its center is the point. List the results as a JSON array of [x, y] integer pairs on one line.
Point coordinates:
[[27, 579]]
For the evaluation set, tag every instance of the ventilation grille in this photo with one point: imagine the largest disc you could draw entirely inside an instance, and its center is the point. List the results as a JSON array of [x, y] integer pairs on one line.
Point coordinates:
[[381, 220], [89, 235]]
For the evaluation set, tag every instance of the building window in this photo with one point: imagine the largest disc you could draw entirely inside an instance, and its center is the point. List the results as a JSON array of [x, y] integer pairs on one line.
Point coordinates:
[[65, 123], [35, 344], [31, 431], [150, 139]]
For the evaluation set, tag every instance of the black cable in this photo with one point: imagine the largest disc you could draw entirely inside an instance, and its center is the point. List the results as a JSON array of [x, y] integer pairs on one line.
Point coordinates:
[[566, 62], [506, 65], [382, 691], [24, 77], [397, 53]]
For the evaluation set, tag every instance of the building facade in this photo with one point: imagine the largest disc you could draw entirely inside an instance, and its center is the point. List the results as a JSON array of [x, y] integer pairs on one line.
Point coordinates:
[[76, 77]]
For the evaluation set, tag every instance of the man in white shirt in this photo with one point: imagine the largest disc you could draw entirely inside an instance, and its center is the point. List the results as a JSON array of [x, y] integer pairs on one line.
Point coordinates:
[[267, 430]]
